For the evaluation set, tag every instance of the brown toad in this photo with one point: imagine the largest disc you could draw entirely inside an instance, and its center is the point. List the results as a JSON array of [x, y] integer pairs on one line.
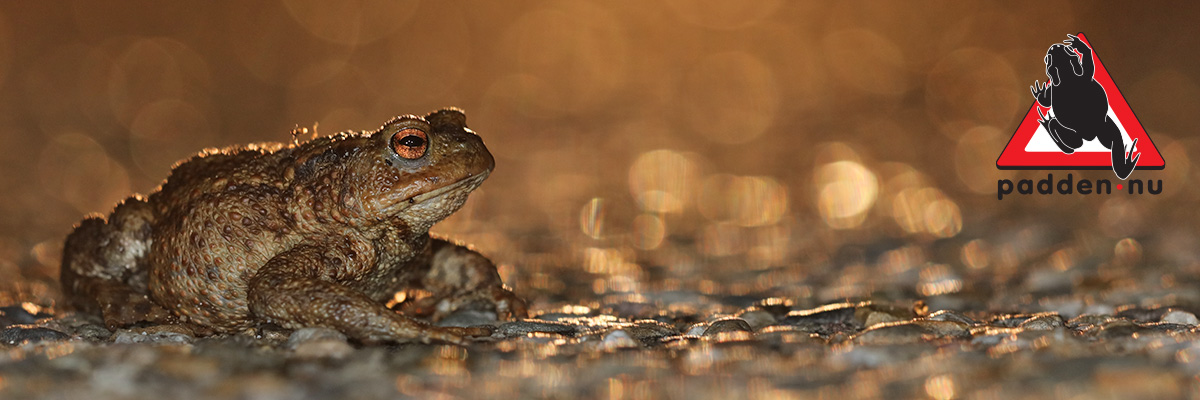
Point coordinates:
[[320, 233]]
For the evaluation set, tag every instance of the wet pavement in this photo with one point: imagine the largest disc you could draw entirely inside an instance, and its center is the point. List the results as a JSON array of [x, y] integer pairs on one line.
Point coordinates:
[[1101, 324]]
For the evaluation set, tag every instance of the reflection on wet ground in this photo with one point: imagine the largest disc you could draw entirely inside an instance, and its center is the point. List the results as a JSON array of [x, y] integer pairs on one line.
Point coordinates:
[[1023, 311]]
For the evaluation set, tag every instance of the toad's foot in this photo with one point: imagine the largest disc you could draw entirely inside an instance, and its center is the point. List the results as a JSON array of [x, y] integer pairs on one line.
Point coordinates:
[[460, 278], [504, 302], [1125, 159]]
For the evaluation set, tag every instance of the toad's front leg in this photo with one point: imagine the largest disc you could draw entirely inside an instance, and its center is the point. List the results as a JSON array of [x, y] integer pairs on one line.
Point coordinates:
[[293, 291], [458, 278]]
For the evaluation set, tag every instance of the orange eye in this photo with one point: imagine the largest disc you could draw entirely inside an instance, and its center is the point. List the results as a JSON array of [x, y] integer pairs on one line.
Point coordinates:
[[410, 143]]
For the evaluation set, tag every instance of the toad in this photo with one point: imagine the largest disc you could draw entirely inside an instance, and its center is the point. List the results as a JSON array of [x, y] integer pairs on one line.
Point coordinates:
[[324, 233], [1080, 105]]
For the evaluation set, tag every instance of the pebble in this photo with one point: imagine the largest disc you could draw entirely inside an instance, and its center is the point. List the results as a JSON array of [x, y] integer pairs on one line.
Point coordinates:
[[696, 329], [944, 329], [618, 339], [991, 336], [18, 335], [83, 326], [1089, 321], [160, 334], [305, 335], [875, 317], [949, 315], [1119, 328], [908, 332], [727, 325], [830, 320], [648, 331], [17, 315], [1043, 322], [524, 327], [882, 312], [832, 313], [1143, 315], [787, 335], [1181, 318], [323, 349], [758, 318], [319, 343]]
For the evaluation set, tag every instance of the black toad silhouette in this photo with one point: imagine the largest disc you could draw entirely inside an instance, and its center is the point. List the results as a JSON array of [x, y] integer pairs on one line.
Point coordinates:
[[1080, 104]]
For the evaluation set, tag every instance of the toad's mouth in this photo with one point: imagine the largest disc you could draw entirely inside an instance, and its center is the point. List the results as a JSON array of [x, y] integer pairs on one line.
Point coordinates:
[[463, 186]]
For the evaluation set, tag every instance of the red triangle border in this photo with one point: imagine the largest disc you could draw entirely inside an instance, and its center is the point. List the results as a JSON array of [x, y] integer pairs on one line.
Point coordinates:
[[1014, 155]]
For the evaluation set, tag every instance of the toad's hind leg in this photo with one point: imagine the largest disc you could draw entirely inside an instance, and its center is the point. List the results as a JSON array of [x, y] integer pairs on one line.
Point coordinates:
[[1066, 138], [294, 290], [1123, 163], [104, 266]]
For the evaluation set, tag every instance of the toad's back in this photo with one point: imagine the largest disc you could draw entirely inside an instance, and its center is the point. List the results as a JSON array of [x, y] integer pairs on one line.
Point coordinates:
[[222, 215]]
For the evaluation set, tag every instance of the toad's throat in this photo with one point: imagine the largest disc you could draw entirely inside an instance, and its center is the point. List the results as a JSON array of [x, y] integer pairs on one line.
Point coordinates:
[[462, 186]]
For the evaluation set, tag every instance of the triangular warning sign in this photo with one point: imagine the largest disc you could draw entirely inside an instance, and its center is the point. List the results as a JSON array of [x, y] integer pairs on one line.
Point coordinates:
[[1031, 146]]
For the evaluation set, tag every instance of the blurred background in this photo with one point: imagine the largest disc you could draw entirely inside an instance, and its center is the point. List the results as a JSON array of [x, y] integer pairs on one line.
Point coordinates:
[[733, 147]]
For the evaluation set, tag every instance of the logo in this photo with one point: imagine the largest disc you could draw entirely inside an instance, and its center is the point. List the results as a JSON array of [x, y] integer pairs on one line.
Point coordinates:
[[1078, 120]]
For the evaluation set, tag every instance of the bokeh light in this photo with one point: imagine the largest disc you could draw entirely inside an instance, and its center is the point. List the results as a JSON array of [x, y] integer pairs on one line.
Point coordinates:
[[663, 181], [743, 200], [846, 192]]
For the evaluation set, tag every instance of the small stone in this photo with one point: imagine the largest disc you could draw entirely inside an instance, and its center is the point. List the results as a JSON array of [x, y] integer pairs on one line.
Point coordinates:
[[916, 331], [948, 315], [315, 343], [317, 349], [18, 315], [867, 310], [891, 334], [1143, 315], [776, 306], [524, 327], [305, 335], [1119, 328], [618, 339], [1043, 322], [758, 318], [271, 333], [1181, 318], [944, 329], [83, 326], [18, 335], [727, 325], [648, 331], [468, 318], [829, 320], [831, 313], [1088, 321], [787, 335], [158, 334], [991, 336], [875, 317]]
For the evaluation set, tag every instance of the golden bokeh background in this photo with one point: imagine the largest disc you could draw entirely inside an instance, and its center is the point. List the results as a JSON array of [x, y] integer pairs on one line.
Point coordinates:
[[694, 135]]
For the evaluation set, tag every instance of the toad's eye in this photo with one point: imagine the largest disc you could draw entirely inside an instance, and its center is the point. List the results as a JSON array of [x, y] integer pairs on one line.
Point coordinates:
[[410, 143]]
